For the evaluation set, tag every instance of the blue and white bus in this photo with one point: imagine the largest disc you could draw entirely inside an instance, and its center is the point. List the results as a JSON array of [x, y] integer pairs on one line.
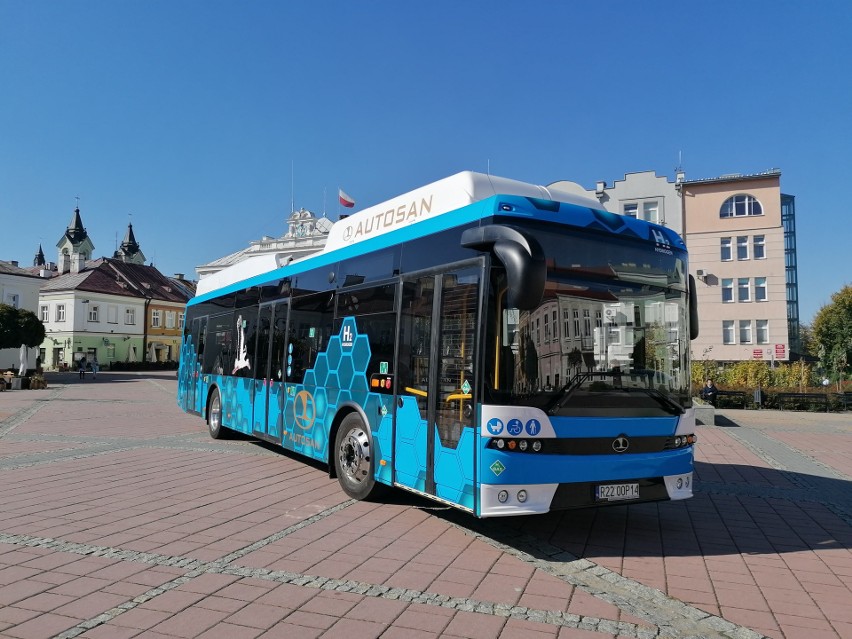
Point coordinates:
[[498, 346]]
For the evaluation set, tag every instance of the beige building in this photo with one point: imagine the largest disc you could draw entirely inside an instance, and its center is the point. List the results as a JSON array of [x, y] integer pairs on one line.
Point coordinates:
[[740, 233]]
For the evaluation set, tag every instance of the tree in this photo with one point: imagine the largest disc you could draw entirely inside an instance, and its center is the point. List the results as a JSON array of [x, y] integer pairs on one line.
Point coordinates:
[[832, 334], [19, 326]]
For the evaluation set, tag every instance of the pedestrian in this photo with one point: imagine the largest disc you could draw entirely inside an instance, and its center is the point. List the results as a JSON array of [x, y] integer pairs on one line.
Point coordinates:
[[710, 392], [38, 365], [95, 367], [81, 367]]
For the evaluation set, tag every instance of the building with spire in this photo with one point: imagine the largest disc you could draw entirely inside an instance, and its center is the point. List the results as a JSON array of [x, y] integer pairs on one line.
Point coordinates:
[[129, 250], [117, 308], [75, 246]]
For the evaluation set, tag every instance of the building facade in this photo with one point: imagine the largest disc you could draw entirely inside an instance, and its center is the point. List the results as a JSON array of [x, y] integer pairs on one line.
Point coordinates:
[[113, 310], [18, 288], [642, 195], [305, 234], [740, 232]]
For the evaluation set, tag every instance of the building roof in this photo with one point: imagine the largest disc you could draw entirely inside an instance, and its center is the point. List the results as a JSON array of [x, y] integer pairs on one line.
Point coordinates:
[[736, 177], [115, 277], [7, 268]]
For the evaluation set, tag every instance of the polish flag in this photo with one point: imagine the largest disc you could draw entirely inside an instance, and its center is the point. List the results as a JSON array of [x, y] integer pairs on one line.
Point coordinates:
[[345, 200]]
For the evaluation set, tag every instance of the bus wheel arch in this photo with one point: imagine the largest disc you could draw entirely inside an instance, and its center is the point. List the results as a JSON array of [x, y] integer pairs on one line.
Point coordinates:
[[352, 459]]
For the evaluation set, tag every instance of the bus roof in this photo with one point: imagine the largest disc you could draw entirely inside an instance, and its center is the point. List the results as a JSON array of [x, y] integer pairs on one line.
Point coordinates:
[[437, 198], [424, 203]]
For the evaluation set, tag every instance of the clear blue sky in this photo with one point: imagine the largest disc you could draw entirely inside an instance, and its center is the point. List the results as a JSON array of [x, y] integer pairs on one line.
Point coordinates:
[[190, 115]]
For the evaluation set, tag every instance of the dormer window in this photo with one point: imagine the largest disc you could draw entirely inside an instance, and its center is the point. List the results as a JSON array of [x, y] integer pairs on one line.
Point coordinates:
[[740, 206]]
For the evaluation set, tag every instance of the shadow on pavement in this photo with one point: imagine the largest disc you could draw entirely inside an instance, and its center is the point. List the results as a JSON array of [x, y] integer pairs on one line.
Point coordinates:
[[784, 513]]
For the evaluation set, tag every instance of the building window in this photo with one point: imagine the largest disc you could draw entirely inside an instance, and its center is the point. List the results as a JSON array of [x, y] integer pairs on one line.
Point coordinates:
[[742, 247], [587, 323], [745, 331], [555, 327], [727, 290], [112, 314], [630, 210], [576, 323], [155, 318], [181, 319], [759, 247], [130, 316], [44, 313], [12, 299], [743, 289], [60, 312], [760, 289], [598, 319], [546, 327], [726, 249], [740, 206], [728, 332], [94, 311], [170, 319], [762, 328], [651, 211]]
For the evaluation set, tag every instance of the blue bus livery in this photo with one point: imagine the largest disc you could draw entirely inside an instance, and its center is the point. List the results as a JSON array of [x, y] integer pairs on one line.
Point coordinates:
[[495, 345]]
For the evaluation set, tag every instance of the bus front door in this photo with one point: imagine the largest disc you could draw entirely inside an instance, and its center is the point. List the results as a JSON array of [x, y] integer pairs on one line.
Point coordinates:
[[434, 434]]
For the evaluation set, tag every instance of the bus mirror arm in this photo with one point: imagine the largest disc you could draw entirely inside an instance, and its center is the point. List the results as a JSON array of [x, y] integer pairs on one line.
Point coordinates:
[[693, 309], [522, 257]]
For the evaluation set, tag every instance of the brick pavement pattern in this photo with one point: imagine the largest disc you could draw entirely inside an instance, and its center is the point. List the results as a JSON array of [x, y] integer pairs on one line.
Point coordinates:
[[120, 517]]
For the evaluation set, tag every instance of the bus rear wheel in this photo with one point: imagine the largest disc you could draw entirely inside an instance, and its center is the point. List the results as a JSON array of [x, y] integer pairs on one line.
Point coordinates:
[[214, 416], [354, 461]]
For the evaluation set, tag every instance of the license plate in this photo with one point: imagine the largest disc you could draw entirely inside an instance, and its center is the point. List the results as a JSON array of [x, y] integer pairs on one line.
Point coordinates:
[[616, 492]]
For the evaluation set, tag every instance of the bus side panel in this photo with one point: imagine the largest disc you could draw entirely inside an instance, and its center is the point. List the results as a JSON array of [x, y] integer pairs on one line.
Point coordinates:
[[237, 394], [454, 473], [338, 379], [411, 432]]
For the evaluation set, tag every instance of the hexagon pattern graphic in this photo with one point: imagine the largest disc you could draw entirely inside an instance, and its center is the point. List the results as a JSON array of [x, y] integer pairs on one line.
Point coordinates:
[[302, 415]]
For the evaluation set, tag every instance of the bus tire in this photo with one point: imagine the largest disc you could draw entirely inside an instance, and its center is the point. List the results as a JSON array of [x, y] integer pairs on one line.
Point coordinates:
[[354, 462], [214, 416]]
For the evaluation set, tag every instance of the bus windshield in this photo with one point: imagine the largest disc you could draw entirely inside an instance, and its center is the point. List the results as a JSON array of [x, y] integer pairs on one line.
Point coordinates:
[[609, 338]]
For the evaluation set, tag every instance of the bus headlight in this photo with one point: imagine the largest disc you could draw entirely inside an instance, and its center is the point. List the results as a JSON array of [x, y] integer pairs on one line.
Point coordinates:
[[522, 496], [503, 496], [500, 444], [536, 446], [522, 445]]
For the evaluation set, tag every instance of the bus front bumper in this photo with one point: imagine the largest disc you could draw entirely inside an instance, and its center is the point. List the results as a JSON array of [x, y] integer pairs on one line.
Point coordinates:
[[501, 500]]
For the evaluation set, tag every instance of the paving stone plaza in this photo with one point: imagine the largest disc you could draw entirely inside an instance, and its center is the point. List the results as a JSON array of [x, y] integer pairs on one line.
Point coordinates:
[[120, 517]]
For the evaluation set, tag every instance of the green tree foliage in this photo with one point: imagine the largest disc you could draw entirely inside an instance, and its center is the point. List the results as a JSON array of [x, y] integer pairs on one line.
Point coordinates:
[[832, 334], [19, 326]]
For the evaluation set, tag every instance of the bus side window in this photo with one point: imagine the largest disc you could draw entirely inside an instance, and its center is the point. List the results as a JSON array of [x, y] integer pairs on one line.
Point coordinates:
[[219, 347], [374, 310], [311, 319]]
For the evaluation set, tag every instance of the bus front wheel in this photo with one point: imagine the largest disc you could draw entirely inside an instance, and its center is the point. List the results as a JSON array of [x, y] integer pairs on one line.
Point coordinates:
[[214, 415], [354, 461]]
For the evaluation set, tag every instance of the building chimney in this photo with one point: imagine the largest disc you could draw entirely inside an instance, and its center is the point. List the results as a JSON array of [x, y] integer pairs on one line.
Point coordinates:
[[178, 276], [14, 262]]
